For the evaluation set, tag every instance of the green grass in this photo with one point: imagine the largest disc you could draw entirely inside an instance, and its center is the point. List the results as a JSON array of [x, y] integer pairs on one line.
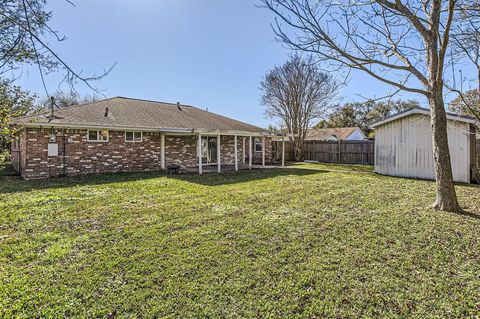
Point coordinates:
[[333, 166], [279, 243]]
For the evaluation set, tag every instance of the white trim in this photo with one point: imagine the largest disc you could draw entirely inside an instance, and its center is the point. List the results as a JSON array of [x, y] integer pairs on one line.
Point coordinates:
[[133, 141], [231, 132], [111, 128], [97, 140], [173, 130], [250, 153], [199, 154], [236, 152], [421, 112], [263, 152], [207, 137], [243, 151], [356, 130], [219, 158], [255, 145], [162, 150]]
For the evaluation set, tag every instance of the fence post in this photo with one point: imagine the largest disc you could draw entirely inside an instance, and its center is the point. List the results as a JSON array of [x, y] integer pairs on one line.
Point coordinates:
[[339, 152]]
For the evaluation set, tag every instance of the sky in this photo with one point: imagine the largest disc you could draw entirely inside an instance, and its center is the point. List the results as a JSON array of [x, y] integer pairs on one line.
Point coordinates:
[[206, 53]]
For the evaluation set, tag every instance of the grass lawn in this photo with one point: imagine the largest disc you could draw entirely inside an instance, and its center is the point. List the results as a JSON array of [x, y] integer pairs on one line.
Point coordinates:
[[278, 243], [332, 166]]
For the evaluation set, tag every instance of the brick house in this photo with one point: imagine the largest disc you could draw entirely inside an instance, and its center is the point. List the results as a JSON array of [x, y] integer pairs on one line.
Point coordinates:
[[124, 134]]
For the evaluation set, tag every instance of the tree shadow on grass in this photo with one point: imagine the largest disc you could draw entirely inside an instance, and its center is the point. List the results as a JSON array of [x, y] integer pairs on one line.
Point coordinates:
[[226, 178], [469, 214], [16, 184]]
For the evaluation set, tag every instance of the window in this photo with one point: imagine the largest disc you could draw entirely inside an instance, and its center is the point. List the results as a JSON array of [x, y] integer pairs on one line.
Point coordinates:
[[133, 136], [209, 150], [258, 144], [97, 135]]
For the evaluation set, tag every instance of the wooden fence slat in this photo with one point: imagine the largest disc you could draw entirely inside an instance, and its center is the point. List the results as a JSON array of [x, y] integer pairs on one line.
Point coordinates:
[[345, 152], [352, 152]]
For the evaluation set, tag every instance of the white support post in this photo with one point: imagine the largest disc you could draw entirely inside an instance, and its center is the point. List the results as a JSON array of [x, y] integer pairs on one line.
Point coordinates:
[[236, 152], [162, 150], [250, 153], [243, 151], [283, 151], [219, 164], [263, 151], [200, 154]]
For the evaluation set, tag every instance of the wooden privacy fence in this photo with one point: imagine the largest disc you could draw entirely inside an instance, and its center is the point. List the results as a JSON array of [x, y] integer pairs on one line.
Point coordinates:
[[344, 152]]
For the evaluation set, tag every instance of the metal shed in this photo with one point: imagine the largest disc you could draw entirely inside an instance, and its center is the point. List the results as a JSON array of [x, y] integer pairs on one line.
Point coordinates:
[[403, 145]]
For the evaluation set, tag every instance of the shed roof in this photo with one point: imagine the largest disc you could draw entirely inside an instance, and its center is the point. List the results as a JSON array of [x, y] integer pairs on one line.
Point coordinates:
[[421, 111], [136, 114]]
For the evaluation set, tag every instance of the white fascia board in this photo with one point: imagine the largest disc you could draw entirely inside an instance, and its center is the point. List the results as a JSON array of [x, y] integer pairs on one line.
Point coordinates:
[[421, 112], [361, 132], [166, 130], [230, 132], [105, 127]]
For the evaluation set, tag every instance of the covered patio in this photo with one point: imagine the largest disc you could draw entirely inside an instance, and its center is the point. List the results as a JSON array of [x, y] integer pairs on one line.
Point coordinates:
[[214, 157]]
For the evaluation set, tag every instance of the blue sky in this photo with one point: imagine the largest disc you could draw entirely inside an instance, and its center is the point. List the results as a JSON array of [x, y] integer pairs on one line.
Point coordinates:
[[208, 53]]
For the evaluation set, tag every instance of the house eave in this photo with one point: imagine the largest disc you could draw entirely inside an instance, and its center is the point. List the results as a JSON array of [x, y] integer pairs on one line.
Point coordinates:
[[166, 130]]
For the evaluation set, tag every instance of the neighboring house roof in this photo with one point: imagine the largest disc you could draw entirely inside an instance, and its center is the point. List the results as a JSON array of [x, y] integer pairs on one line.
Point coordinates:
[[135, 114], [421, 111], [323, 134]]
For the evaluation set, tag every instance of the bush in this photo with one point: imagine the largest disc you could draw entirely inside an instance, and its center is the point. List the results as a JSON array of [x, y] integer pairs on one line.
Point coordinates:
[[4, 156]]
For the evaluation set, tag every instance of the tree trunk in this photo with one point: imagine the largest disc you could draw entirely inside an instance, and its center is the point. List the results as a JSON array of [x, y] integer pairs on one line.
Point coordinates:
[[446, 196], [298, 150]]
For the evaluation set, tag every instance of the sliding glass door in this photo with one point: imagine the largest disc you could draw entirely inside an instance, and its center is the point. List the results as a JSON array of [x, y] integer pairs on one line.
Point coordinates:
[[209, 150]]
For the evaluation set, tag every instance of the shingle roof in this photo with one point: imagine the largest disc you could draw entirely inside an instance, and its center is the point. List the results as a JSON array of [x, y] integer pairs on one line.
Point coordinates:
[[321, 134], [129, 113]]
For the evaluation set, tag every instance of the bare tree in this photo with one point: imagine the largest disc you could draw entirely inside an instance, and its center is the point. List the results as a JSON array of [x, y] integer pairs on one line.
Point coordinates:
[[402, 43], [67, 98], [24, 39], [467, 103], [297, 93], [466, 47]]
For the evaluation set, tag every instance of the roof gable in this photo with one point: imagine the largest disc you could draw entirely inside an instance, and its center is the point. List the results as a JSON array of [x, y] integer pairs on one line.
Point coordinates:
[[322, 134], [421, 111]]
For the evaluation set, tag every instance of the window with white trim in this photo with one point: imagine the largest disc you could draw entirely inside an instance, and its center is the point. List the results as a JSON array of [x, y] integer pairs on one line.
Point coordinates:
[[258, 145], [97, 135], [132, 136]]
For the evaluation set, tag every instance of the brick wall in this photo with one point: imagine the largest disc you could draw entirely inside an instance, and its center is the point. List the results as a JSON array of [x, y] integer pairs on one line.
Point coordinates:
[[181, 150], [257, 156], [228, 150], [77, 156]]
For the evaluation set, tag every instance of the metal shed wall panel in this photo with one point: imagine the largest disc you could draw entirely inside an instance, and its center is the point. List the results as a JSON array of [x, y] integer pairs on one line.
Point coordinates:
[[404, 148]]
